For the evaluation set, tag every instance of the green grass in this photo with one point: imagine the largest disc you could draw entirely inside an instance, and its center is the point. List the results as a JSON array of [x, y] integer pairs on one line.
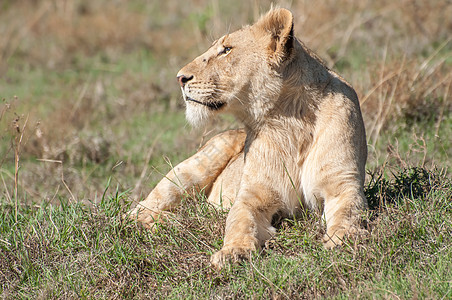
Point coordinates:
[[424, 143], [105, 113], [85, 250], [127, 117]]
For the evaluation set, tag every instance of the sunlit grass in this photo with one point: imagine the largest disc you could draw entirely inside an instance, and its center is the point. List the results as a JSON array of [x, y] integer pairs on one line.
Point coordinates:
[[74, 249], [96, 83]]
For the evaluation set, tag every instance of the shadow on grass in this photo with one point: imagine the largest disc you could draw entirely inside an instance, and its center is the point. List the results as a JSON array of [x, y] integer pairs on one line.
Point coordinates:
[[415, 183]]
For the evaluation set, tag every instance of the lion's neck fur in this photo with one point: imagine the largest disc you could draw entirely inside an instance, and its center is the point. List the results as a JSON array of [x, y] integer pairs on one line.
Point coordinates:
[[287, 107]]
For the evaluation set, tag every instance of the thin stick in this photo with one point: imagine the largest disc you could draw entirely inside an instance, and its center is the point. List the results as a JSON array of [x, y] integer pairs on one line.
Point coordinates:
[[16, 166], [66, 186]]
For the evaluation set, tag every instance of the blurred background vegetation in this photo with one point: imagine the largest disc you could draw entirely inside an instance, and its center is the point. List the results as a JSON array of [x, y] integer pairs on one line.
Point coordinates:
[[88, 89]]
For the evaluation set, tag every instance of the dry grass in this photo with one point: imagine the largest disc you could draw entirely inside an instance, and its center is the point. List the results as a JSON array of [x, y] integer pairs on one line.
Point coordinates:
[[396, 55], [90, 86], [72, 251]]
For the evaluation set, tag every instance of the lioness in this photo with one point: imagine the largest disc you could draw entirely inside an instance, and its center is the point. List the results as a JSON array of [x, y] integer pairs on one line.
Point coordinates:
[[303, 146]]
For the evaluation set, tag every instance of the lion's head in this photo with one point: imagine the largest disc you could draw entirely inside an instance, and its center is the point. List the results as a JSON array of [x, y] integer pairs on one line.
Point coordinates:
[[241, 72]]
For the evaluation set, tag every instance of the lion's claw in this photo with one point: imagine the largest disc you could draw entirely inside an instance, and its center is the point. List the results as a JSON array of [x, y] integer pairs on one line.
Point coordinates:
[[230, 255], [145, 217]]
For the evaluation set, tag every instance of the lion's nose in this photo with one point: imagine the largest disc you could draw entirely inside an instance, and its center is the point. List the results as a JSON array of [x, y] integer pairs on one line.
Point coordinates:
[[184, 79]]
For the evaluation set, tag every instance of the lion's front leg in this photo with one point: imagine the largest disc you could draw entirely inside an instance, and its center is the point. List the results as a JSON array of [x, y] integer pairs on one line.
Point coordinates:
[[248, 224], [192, 175], [164, 197]]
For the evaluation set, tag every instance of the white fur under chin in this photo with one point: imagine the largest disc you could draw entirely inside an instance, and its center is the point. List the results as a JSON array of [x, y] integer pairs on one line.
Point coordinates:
[[197, 115]]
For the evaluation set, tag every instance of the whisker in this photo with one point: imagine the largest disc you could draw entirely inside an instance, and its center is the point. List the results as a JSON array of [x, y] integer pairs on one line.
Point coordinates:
[[208, 89], [224, 91]]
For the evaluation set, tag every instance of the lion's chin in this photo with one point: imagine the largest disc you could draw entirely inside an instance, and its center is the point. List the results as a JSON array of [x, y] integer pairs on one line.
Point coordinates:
[[197, 115]]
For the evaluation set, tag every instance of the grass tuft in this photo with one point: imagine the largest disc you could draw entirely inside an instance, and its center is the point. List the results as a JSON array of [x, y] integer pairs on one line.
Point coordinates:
[[81, 250]]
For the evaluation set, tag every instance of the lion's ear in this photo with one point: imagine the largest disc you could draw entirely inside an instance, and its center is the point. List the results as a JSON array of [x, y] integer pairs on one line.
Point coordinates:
[[278, 25]]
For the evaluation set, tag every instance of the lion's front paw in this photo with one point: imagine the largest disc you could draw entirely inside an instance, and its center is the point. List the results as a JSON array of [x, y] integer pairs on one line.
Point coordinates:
[[229, 255], [332, 241], [146, 217]]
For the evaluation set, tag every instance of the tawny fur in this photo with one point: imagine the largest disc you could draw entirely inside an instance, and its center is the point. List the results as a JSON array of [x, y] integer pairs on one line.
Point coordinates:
[[303, 145]]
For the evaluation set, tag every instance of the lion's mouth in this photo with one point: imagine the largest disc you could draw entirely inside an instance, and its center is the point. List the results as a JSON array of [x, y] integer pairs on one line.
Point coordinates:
[[211, 105]]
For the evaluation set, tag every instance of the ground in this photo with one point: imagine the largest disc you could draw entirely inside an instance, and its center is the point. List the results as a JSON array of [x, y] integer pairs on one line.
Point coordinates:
[[91, 119]]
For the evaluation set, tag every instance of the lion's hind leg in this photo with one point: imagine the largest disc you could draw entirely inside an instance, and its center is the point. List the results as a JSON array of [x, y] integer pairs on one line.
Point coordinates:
[[342, 216], [192, 175]]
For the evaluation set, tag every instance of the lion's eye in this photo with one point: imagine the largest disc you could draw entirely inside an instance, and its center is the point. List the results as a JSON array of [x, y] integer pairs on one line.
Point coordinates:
[[225, 51]]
